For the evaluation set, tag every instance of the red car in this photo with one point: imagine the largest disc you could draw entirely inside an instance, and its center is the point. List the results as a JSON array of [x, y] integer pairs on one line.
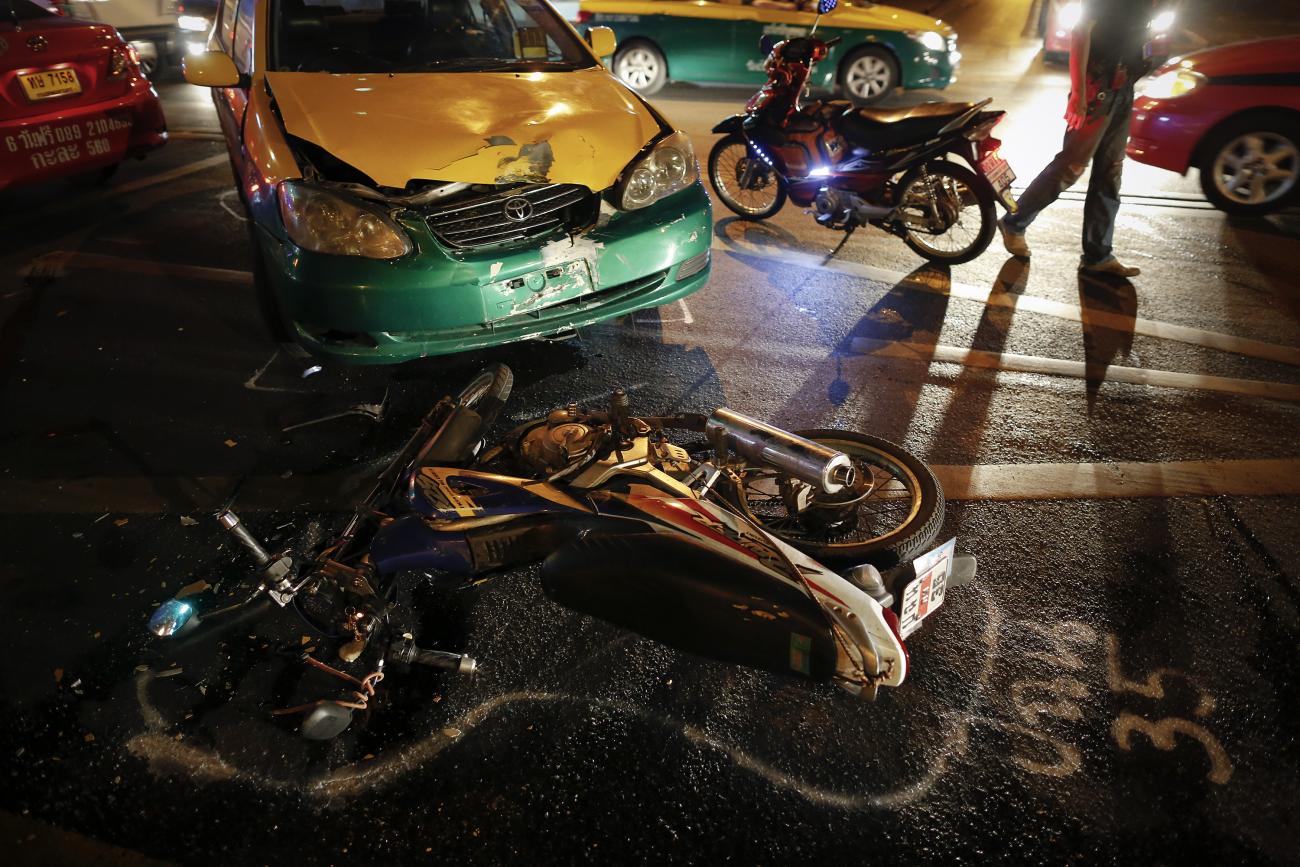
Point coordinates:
[[72, 98], [1233, 112]]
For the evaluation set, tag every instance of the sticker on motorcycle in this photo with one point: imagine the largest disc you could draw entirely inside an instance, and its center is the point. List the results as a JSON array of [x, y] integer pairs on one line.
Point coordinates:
[[925, 593]]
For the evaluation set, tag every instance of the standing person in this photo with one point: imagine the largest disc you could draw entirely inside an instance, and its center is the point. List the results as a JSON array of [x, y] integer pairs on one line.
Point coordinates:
[[1107, 51]]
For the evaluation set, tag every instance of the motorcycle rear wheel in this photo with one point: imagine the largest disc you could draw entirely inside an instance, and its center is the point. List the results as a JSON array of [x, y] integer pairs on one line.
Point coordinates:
[[728, 162], [897, 518], [962, 191]]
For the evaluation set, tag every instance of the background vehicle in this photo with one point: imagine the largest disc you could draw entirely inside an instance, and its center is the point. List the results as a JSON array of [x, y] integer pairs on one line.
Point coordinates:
[[881, 48], [194, 19], [706, 550], [1233, 113], [149, 25], [885, 167], [73, 102], [1060, 16], [424, 179]]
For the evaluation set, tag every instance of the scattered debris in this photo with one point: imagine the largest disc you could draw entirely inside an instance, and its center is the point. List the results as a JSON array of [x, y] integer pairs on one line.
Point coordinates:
[[121, 522], [187, 521], [230, 444], [89, 738], [192, 589], [451, 732], [58, 675], [101, 517], [171, 672], [312, 371]]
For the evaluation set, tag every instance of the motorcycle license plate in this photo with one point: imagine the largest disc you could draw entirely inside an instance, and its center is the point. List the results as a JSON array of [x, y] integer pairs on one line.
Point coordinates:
[[999, 173], [51, 82], [925, 593]]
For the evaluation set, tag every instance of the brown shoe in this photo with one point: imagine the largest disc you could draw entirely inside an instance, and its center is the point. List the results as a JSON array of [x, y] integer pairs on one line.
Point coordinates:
[[1111, 267], [1014, 241]]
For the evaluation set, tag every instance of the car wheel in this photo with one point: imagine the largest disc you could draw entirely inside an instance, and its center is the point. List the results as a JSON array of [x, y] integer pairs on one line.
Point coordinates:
[[1252, 166], [868, 75], [642, 67]]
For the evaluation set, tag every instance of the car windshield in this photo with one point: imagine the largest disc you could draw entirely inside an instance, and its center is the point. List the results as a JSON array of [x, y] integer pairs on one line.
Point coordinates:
[[349, 36]]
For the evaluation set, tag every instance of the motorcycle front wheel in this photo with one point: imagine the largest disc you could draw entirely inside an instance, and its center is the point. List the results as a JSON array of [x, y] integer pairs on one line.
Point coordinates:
[[948, 214], [750, 189], [892, 513]]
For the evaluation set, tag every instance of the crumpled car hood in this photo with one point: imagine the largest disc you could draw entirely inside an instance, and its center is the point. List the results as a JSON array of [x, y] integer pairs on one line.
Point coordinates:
[[579, 127]]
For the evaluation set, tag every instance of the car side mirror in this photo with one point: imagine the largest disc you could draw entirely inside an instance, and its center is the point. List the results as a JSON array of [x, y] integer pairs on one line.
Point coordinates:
[[601, 40], [211, 69]]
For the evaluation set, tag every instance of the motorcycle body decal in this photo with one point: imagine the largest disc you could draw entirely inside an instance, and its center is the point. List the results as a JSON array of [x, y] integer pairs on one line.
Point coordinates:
[[451, 494]]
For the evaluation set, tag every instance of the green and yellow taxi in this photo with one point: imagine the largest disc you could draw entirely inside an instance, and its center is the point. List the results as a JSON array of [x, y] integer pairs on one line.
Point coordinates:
[[882, 48], [429, 176]]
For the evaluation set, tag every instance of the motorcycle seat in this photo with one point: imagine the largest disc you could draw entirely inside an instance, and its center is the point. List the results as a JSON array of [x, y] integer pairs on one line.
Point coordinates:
[[799, 122], [890, 127]]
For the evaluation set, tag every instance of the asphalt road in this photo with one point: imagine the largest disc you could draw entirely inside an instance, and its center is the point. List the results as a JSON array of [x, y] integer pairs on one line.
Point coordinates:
[[1121, 685]]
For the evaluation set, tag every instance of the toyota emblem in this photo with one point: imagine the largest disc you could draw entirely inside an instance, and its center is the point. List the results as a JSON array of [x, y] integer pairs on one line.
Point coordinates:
[[38, 43], [518, 209]]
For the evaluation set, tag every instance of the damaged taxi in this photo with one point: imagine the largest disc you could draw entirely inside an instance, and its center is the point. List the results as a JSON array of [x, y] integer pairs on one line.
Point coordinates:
[[430, 176]]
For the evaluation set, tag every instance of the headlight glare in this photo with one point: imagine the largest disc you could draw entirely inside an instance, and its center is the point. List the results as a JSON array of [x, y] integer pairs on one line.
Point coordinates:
[[929, 39], [325, 223], [669, 168], [1174, 83], [192, 23]]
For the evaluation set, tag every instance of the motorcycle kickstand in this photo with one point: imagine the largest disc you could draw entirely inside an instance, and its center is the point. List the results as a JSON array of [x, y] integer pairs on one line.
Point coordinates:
[[848, 233]]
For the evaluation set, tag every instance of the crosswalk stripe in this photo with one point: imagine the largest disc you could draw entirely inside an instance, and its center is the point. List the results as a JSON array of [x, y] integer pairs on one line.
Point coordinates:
[[1044, 306], [140, 495], [928, 352]]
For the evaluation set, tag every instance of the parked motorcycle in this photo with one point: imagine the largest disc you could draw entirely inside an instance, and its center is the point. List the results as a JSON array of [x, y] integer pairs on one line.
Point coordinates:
[[887, 167], [706, 547]]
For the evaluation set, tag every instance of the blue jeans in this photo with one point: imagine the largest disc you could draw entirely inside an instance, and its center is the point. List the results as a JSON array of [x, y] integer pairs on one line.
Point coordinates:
[[1101, 139]]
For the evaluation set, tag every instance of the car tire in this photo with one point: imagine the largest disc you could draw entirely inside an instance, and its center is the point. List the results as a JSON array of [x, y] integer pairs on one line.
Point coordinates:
[[868, 75], [1251, 145], [641, 66]]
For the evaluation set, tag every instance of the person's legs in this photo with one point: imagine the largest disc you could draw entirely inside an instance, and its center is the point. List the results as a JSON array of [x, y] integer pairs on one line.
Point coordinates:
[[1102, 202], [1059, 175]]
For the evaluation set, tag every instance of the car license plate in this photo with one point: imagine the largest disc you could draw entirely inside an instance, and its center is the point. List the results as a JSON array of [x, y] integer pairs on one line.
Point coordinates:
[[49, 83], [535, 291], [925, 593]]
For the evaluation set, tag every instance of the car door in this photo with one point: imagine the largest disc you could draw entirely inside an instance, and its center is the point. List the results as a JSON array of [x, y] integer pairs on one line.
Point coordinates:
[[698, 39], [781, 19]]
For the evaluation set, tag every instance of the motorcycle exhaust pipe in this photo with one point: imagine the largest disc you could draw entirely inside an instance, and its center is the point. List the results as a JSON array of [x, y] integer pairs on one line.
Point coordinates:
[[804, 459]]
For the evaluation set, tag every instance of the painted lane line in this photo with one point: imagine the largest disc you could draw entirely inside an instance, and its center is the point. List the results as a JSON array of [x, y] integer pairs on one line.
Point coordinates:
[[1034, 304], [59, 261], [143, 495], [170, 175], [1242, 478], [929, 352], [195, 135]]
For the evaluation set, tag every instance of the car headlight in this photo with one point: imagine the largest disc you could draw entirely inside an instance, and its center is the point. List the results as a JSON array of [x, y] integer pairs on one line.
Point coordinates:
[[929, 40], [1163, 21], [1175, 82], [193, 23], [668, 168], [325, 223], [1069, 15]]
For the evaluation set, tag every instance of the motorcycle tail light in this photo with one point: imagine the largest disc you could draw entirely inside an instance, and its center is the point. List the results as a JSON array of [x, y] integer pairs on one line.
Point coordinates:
[[983, 130], [584, 16], [892, 619], [989, 145]]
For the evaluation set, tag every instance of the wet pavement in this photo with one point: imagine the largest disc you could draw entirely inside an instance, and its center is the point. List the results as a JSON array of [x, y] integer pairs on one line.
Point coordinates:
[[1119, 686]]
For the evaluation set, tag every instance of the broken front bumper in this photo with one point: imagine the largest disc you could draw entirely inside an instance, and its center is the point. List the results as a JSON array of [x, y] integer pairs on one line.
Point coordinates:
[[438, 300]]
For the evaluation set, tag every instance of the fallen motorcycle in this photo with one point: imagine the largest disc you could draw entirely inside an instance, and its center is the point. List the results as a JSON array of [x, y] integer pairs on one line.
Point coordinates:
[[706, 547], [886, 167]]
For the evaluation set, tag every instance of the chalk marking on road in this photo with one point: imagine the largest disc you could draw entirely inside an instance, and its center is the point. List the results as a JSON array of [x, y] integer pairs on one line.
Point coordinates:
[[144, 495], [928, 352], [221, 200], [170, 756], [104, 262], [1030, 303]]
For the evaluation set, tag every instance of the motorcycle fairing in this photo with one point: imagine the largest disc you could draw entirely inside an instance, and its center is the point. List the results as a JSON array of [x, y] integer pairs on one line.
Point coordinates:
[[679, 592], [446, 493]]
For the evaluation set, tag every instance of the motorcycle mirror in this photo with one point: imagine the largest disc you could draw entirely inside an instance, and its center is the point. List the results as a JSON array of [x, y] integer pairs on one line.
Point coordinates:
[[825, 6], [766, 44], [173, 617], [327, 720]]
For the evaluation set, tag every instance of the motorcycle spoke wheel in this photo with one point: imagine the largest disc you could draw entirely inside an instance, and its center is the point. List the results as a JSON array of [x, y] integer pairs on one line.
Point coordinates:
[[894, 516], [946, 218], [752, 192]]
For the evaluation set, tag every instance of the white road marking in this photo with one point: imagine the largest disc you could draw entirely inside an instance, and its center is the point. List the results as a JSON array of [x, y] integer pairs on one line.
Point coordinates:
[[170, 175], [1033, 304], [221, 200], [61, 260], [928, 352], [195, 135], [144, 495]]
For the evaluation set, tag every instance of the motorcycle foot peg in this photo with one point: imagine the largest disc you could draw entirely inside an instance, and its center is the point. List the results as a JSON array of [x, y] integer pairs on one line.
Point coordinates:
[[326, 721], [407, 653]]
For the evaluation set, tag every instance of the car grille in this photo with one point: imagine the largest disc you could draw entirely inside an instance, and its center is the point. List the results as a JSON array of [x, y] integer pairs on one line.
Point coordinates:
[[515, 214]]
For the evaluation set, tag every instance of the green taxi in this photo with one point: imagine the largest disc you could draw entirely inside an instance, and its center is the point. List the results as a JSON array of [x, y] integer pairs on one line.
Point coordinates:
[[882, 48]]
